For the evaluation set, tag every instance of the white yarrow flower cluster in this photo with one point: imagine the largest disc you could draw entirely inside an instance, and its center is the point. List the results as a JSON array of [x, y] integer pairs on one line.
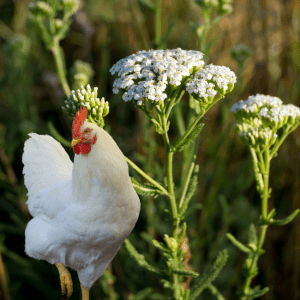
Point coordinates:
[[260, 116], [254, 103], [280, 116], [209, 81], [147, 74]]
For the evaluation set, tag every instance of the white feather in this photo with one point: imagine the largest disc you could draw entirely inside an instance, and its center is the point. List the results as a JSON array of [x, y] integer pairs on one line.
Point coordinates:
[[82, 213]]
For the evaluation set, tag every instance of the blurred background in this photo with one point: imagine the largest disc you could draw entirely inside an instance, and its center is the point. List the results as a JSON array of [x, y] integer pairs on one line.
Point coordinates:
[[267, 33]]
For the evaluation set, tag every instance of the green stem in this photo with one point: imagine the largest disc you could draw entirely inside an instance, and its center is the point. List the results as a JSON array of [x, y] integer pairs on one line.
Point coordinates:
[[173, 100], [157, 40], [141, 172], [286, 132], [196, 121], [257, 174], [186, 183], [57, 136], [263, 229], [60, 67], [253, 265], [169, 171]]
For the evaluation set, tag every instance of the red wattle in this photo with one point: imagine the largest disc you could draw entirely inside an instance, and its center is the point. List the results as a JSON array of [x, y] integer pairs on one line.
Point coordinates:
[[84, 148], [76, 149]]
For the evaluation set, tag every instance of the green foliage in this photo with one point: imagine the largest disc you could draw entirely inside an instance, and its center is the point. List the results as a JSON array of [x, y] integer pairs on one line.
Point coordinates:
[[256, 292], [146, 189], [284, 221], [27, 95], [238, 244], [240, 53], [208, 277], [215, 292], [139, 258], [148, 4], [182, 233], [185, 273], [252, 236], [44, 15], [160, 246], [182, 143], [192, 190], [81, 73]]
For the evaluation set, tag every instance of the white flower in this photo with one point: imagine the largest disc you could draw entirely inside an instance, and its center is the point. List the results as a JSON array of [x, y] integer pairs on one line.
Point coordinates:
[[254, 103], [147, 73], [260, 116], [210, 80]]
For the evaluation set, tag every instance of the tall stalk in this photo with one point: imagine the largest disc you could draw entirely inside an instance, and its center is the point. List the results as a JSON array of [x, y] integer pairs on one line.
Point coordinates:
[[265, 167]]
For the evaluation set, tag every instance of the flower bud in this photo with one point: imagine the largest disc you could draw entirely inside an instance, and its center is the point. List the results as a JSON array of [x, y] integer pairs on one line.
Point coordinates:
[[70, 6], [85, 97], [40, 8], [58, 24]]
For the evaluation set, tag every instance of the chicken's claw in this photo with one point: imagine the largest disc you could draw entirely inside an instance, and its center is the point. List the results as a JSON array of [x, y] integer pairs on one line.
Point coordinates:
[[85, 293], [65, 280]]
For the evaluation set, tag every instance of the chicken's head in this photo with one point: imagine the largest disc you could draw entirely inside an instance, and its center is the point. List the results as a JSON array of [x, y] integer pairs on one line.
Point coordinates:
[[84, 134]]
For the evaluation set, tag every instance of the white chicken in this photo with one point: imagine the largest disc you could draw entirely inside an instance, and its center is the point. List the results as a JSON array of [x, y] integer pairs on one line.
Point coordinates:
[[82, 213]]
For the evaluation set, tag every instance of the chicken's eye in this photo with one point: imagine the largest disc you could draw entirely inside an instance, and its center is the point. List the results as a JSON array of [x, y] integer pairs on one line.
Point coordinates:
[[86, 131]]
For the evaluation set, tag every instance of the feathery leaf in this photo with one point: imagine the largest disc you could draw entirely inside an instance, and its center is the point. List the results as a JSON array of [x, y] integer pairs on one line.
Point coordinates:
[[145, 189], [192, 189], [238, 244], [256, 292], [139, 258], [207, 278], [184, 272], [181, 144], [252, 234]]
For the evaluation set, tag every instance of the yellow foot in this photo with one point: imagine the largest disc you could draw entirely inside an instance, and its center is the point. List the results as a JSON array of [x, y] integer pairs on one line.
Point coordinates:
[[65, 280], [85, 292]]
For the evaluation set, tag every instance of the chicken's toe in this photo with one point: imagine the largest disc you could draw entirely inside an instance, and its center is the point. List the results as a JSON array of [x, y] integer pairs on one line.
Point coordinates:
[[85, 293], [65, 280]]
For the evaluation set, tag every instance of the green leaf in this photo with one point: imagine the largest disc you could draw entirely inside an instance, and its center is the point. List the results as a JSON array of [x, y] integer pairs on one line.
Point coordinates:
[[182, 233], [252, 234], [285, 220], [146, 189], [167, 284], [143, 294], [238, 244], [157, 126], [192, 189], [171, 242], [57, 136], [186, 295], [271, 214], [215, 292], [147, 4], [165, 37], [207, 278], [160, 246], [181, 144], [184, 272], [146, 236], [139, 258], [256, 292]]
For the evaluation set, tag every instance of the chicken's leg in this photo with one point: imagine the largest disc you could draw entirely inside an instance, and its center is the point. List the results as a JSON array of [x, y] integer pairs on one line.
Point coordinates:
[[65, 280], [85, 293]]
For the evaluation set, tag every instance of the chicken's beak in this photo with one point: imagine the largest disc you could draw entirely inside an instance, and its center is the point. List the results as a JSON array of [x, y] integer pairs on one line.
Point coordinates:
[[75, 141]]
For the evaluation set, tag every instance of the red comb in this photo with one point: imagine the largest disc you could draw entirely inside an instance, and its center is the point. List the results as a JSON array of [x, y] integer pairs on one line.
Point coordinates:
[[79, 120]]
